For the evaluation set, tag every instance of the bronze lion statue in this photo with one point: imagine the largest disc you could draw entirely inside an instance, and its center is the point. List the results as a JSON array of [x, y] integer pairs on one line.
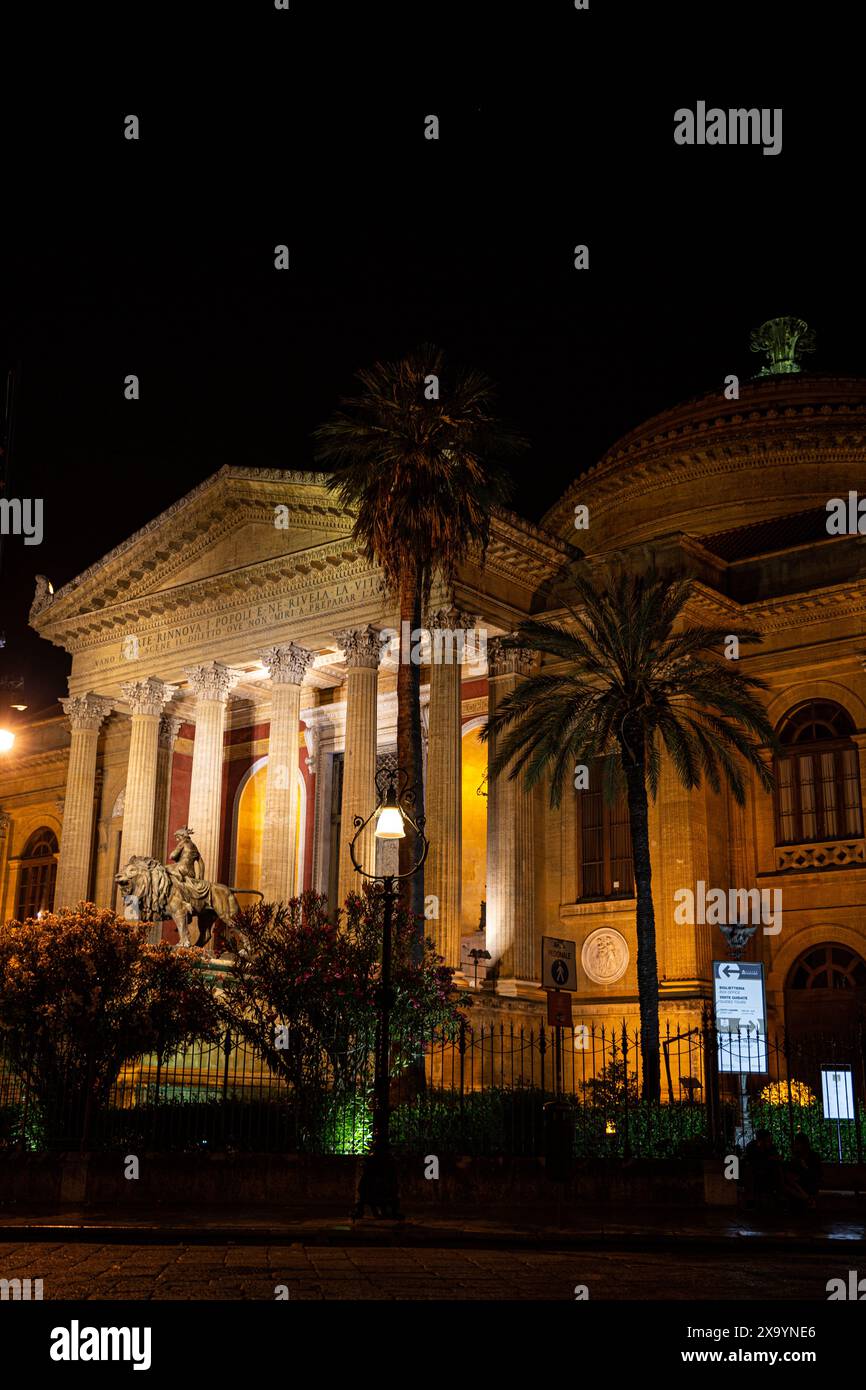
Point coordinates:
[[163, 892]]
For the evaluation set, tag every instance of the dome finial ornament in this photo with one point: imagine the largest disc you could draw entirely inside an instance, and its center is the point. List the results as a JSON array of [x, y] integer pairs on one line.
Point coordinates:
[[782, 340]]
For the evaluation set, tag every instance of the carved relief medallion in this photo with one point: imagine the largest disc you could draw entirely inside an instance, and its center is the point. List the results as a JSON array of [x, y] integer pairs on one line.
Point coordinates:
[[605, 956]]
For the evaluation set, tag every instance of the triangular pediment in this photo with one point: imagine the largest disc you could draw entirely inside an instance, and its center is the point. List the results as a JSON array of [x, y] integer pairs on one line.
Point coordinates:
[[246, 539], [238, 519]]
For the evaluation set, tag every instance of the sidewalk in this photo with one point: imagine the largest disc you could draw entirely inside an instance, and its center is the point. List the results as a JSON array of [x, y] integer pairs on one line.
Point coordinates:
[[493, 1228]]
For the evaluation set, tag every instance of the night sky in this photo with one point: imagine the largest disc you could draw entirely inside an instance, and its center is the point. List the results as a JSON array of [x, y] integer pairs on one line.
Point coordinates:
[[156, 258]]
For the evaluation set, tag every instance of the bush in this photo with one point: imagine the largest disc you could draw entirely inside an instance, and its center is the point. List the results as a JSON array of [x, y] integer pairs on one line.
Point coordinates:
[[823, 1136], [305, 995], [81, 993]]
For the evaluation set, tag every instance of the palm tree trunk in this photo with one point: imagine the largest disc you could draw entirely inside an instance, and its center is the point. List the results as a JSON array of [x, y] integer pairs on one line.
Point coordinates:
[[409, 747], [647, 966]]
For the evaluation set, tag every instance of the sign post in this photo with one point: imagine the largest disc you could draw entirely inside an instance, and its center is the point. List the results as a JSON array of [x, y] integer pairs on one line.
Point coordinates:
[[837, 1095], [740, 1012], [558, 974]]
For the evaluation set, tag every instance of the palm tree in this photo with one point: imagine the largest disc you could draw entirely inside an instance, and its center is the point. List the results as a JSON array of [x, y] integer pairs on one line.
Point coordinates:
[[420, 468], [629, 678]]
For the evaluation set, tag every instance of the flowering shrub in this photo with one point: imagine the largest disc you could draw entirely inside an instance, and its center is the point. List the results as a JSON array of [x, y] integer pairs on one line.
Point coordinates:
[[780, 1092], [306, 993], [81, 993]]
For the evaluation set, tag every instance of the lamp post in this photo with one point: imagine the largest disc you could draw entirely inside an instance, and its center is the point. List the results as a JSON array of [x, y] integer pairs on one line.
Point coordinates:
[[7, 726], [378, 1188], [476, 954]]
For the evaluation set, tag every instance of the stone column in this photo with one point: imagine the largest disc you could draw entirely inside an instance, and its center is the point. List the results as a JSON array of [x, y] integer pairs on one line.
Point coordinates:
[[211, 684], [362, 648], [147, 699], [169, 728], [320, 740], [286, 667], [510, 843], [5, 841], [86, 714], [444, 793]]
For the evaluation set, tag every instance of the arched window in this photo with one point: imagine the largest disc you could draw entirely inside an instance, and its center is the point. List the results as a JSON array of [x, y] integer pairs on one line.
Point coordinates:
[[817, 776], [603, 841], [37, 874], [828, 967]]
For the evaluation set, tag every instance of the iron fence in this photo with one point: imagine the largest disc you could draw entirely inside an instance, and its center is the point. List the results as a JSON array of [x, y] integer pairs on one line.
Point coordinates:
[[480, 1091]]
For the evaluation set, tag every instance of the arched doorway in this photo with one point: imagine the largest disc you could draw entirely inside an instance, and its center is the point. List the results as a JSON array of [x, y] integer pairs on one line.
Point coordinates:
[[474, 825], [249, 817], [825, 995], [37, 874]]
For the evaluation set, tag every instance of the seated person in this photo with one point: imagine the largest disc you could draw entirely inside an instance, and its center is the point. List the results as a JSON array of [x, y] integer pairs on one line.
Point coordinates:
[[802, 1176], [762, 1168]]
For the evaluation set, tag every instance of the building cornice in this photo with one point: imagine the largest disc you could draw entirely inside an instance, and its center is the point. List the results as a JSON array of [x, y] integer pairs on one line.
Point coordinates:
[[209, 505], [115, 596], [792, 422]]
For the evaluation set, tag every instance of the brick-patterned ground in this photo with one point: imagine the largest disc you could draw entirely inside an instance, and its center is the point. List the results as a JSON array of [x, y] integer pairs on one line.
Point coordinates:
[[92, 1271]]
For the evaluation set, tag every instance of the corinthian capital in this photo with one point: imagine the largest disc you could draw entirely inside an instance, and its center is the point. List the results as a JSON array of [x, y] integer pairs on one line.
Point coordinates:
[[508, 661], [148, 696], [362, 646], [86, 711], [213, 680], [169, 728], [452, 619], [287, 665]]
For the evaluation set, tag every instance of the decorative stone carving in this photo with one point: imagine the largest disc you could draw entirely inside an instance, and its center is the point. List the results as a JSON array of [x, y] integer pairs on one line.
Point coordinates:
[[43, 596], [213, 680], [453, 618], [119, 804], [508, 661], [605, 956], [5, 824], [312, 738], [86, 712], [834, 854], [148, 696], [287, 665], [169, 728], [362, 646]]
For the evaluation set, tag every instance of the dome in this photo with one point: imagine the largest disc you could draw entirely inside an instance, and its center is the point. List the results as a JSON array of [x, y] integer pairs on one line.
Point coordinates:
[[710, 466]]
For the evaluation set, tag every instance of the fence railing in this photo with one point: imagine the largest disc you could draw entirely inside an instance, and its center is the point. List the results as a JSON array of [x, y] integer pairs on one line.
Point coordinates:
[[480, 1091]]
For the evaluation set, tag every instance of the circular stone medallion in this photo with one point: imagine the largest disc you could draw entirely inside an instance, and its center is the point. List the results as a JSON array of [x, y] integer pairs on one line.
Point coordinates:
[[605, 955]]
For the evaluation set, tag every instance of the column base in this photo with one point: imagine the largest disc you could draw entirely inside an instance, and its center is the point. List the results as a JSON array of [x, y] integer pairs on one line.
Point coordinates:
[[524, 989]]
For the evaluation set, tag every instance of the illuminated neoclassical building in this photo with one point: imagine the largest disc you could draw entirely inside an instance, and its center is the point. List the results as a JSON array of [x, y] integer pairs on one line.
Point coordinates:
[[226, 675]]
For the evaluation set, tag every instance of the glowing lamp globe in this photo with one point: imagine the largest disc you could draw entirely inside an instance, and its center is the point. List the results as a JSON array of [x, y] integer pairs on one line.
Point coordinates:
[[389, 824], [7, 738]]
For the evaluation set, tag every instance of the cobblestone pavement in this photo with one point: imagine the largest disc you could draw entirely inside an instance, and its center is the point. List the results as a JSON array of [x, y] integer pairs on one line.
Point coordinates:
[[75, 1270]]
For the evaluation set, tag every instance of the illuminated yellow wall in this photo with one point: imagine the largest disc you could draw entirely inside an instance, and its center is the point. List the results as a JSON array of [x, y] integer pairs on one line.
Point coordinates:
[[250, 822], [474, 858]]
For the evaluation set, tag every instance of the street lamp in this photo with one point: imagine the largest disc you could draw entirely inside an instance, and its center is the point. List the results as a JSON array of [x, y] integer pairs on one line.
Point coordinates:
[[477, 954], [7, 734], [378, 1188]]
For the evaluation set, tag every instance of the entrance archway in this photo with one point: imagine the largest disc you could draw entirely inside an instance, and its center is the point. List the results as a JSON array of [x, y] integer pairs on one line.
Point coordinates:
[[825, 995]]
